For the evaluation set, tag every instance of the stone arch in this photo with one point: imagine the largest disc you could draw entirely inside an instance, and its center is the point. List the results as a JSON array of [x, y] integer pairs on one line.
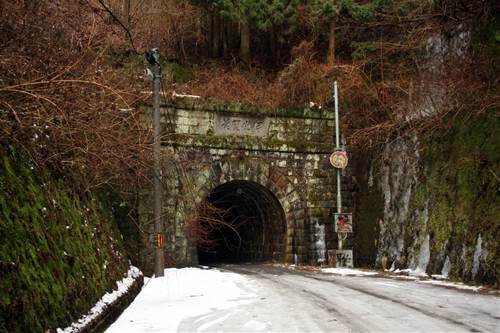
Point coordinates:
[[258, 171]]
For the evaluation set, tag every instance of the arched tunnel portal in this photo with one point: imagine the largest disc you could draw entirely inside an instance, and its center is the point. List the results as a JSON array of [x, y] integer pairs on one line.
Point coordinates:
[[246, 223]]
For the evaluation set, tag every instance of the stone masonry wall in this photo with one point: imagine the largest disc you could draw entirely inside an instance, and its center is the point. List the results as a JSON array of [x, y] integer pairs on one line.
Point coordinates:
[[285, 151]]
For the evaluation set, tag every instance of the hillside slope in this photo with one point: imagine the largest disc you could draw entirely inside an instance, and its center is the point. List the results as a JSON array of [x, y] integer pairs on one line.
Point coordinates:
[[59, 250]]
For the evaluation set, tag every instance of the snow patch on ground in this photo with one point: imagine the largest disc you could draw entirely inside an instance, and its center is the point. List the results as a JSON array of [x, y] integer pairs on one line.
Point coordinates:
[[407, 277], [348, 271], [437, 279], [416, 275], [450, 284], [413, 273], [183, 295], [123, 286]]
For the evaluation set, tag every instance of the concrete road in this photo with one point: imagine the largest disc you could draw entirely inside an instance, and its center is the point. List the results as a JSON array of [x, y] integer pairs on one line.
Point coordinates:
[[299, 301]]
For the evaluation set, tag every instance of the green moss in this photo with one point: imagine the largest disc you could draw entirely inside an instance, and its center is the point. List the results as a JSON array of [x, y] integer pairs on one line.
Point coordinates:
[[53, 250], [178, 73], [362, 49], [320, 211], [124, 216], [487, 36], [459, 190], [247, 142], [463, 193]]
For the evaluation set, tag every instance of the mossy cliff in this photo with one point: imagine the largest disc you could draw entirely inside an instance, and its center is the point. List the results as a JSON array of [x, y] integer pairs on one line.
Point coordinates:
[[59, 250], [434, 203]]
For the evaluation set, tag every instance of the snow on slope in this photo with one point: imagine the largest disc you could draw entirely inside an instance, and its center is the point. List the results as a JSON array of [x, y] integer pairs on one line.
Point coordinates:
[[122, 288]]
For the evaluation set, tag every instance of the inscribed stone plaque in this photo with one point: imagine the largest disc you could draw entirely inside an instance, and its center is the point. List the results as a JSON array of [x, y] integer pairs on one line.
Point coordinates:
[[229, 124]]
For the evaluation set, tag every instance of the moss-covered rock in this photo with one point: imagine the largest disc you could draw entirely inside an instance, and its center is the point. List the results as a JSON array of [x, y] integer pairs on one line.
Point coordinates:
[[461, 182], [59, 251], [452, 224]]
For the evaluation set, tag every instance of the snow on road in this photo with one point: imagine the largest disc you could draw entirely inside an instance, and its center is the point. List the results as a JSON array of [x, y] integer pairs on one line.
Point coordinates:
[[348, 271], [260, 298], [165, 302]]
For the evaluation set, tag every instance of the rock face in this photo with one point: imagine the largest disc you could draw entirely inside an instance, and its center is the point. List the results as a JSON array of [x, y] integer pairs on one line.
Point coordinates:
[[283, 153], [398, 178], [430, 203], [438, 212]]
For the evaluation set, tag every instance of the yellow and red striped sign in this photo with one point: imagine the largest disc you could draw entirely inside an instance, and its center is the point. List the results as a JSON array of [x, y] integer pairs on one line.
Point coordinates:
[[158, 240]]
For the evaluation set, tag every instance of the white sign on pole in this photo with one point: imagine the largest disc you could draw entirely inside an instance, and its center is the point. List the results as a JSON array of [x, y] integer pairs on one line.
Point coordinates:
[[343, 222]]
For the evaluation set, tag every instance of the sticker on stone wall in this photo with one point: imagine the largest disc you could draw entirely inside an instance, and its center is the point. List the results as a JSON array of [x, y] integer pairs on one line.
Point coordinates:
[[343, 222], [229, 124], [343, 258]]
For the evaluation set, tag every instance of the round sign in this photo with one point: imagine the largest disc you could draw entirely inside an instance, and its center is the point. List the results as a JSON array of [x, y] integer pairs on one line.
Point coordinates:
[[339, 159]]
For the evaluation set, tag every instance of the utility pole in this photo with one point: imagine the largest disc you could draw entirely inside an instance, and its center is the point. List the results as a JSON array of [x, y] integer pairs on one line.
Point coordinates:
[[159, 256]]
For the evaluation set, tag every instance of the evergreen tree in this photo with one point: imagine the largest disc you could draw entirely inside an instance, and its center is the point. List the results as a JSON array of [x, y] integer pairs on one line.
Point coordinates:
[[331, 11], [269, 16]]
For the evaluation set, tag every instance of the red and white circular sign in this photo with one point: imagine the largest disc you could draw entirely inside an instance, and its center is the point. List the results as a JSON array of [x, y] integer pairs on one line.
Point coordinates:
[[339, 159]]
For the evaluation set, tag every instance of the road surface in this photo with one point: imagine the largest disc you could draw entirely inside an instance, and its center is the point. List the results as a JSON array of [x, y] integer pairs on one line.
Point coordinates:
[[274, 299]]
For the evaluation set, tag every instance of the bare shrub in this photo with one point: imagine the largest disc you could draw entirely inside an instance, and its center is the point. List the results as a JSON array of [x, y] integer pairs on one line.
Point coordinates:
[[61, 98], [175, 26], [305, 79], [206, 222], [230, 84]]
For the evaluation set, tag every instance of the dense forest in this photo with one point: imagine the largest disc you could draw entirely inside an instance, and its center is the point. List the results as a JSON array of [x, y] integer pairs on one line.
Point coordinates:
[[269, 53]]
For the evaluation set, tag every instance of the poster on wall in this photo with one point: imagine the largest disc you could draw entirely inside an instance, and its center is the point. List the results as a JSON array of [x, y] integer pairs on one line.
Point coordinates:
[[343, 258], [343, 222]]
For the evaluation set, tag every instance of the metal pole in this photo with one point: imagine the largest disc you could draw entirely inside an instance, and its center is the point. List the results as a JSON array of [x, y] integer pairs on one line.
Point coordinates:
[[337, 144], [159, 258], [337, 131]]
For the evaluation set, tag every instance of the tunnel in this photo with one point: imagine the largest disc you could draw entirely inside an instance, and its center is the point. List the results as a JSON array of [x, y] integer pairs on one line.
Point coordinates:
[[245, 223]]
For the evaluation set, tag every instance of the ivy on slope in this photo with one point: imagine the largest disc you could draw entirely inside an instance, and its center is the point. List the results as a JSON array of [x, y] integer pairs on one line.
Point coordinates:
[[59, 251]]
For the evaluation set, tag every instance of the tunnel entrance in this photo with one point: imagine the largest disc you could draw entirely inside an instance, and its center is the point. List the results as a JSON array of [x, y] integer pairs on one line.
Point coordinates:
[[246, 224]]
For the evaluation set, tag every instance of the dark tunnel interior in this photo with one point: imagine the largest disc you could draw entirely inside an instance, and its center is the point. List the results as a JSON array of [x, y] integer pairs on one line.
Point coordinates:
[[251, 227]]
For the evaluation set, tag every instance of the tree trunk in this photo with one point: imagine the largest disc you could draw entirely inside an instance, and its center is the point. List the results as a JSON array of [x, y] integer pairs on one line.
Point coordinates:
[[273, 44], [331, 43], [223, 36], [210, 34], [245, 41], [128, 12], [215, 35], [228, 36]]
